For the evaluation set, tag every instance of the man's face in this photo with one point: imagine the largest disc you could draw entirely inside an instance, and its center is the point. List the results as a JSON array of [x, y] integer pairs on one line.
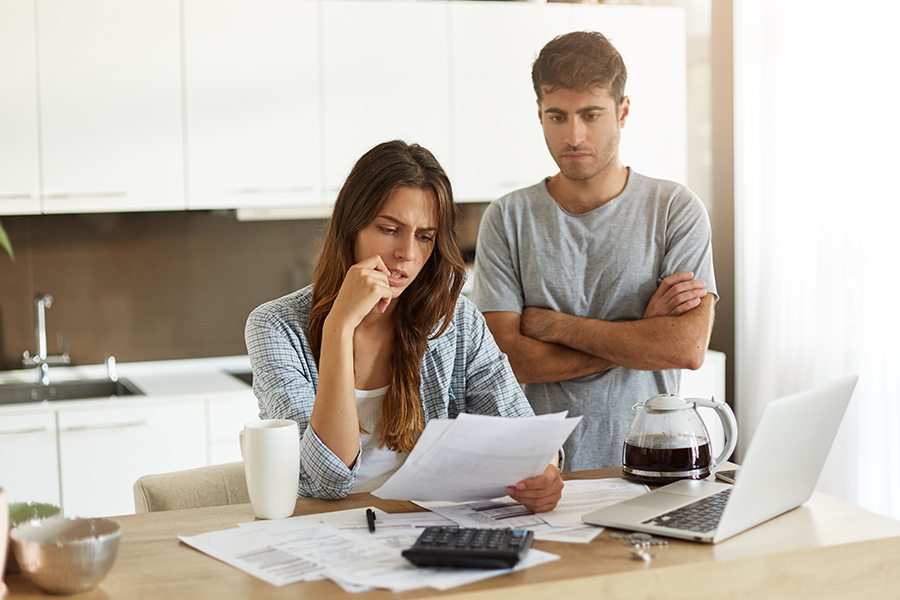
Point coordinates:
[[581, 128], [402, 234]]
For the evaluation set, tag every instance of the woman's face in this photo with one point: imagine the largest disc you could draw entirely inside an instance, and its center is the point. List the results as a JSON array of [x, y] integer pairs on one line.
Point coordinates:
[[402, 234]]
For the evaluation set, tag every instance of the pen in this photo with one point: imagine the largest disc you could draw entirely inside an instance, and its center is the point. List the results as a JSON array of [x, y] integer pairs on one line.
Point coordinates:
[[370, 519]]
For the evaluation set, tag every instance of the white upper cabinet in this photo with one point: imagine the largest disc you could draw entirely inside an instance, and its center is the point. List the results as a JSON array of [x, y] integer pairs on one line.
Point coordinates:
[[653, 43], [110, 105], [252, 103], [19, 177], [385, 77], [274, 101], [498, 143]]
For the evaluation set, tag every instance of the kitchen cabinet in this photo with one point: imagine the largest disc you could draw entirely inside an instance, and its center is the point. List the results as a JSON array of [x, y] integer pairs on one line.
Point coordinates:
[[172, 104], [252, 103], [19, 176], [385, 72], [498, 144], [110, 105], [28, 461], [103, 451]]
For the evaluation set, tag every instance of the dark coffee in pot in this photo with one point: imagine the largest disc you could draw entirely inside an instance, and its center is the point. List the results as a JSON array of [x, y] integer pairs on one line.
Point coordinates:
[[662, 460]]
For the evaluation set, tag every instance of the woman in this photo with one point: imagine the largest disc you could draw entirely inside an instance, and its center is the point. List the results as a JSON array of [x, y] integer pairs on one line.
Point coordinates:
[[381, 342]]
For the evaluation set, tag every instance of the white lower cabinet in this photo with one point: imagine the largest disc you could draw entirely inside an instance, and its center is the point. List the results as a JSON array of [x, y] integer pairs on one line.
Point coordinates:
[[103, 451], [28, 464], [227, 416]]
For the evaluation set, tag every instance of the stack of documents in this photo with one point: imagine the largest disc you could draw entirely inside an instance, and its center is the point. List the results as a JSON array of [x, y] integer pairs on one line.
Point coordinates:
[[338, 545], [561, 525]]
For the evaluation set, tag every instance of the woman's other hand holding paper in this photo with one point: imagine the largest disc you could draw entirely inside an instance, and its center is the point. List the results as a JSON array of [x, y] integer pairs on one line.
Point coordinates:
[[540, 493]]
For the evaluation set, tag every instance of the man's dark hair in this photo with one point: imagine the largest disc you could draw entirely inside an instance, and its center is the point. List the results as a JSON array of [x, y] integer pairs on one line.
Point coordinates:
[[579, 60]]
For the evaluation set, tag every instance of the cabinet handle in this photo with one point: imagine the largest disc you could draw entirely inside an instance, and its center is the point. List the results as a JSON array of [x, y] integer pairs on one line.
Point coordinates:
[[293, 189], [125, 425], [24, 431], [16, 197], [64, 195]]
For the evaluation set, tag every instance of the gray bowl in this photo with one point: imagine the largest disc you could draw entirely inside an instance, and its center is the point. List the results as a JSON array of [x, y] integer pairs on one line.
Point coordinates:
[[66, 556]]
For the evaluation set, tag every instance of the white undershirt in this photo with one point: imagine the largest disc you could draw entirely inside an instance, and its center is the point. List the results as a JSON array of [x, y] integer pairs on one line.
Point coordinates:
[[376, 464]]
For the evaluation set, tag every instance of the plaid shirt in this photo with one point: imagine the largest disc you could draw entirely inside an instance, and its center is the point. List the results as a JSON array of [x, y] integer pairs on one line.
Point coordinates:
[[463, 371]]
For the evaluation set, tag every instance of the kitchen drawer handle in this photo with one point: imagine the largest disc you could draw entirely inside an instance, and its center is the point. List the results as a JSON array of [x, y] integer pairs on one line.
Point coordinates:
[[24, 431], [16, 197], [125, 425], [65, 195], [274, 190]]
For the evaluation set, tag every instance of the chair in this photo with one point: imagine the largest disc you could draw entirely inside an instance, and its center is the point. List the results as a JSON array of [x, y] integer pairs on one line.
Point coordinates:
[[217, 485]]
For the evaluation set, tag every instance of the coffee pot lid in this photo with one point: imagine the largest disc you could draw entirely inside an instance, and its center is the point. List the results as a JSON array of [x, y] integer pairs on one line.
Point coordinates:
[[664, 402]]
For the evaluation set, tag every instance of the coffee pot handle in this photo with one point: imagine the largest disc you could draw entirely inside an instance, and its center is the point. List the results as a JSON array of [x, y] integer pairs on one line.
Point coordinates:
[[729, 424]]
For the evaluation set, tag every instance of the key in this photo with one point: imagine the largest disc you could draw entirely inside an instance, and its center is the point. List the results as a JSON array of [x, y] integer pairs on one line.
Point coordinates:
[[641, 554]]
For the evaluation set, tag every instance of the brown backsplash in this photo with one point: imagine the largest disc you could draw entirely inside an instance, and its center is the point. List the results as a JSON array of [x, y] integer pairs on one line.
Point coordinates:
[[151, 286]]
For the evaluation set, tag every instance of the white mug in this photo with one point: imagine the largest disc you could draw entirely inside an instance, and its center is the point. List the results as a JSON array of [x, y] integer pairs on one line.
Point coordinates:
[[271, 452]]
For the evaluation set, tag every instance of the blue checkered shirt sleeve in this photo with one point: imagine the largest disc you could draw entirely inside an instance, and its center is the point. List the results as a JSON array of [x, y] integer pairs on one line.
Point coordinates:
[[491, 386], [285, 386]]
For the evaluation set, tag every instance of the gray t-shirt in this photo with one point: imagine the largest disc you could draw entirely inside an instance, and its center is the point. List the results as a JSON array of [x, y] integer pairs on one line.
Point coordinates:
[[603, 264]]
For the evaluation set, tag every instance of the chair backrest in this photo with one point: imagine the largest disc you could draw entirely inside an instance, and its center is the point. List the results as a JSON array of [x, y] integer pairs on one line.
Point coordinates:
[[217, 485]]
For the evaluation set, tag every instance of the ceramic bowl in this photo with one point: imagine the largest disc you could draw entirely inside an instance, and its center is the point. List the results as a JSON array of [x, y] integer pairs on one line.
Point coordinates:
[[66, 556], [24, 512]]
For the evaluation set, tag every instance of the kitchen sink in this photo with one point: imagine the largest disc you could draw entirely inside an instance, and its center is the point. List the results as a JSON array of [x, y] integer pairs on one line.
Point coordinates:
[[15, 393], [245, 376]]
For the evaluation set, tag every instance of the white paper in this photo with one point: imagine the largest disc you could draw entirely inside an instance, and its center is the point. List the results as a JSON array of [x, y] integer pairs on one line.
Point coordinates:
[[400, 576], [303, 549], [356, 519], [474, 457], [416, 520], [581, 496], [582, 534], [340, 519], [258, 552], [564, 524], [487, 514]]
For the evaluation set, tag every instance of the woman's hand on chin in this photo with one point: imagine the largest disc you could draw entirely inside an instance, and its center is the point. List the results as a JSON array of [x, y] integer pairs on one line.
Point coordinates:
[[365, 286], [540, 493]]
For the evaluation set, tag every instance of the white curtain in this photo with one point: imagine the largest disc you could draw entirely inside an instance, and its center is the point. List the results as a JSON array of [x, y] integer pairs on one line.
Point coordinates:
[[817, 224]]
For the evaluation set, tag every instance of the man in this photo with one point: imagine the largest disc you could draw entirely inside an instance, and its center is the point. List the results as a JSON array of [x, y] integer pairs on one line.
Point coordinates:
[[597, 282]]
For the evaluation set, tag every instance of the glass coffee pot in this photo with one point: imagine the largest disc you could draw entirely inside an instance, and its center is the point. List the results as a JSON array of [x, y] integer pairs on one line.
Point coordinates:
[[668, 440]]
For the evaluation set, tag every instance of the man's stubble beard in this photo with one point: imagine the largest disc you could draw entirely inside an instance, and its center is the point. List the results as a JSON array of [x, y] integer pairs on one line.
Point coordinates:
[[605, 158]]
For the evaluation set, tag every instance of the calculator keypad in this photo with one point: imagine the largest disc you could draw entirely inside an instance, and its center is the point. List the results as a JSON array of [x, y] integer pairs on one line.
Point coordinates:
[[469, 547]]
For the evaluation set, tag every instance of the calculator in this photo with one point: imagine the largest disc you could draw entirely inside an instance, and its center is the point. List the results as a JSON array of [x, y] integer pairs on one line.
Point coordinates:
[[469, 547]]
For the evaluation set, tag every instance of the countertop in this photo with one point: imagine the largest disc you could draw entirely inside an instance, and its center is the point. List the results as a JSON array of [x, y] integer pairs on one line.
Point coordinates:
[[157, 379]]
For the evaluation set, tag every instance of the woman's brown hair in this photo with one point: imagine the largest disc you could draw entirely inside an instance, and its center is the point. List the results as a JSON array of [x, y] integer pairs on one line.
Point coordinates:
[[426, 307]]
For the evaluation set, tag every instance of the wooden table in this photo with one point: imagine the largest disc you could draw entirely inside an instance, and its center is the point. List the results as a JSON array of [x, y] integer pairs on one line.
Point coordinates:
[[824, 549]]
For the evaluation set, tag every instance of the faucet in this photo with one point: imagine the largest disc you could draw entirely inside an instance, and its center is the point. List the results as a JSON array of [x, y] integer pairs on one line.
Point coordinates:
[[40, 359]]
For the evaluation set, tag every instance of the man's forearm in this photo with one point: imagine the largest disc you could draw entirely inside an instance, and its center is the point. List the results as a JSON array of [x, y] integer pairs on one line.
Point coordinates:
[[534, 361], [648, 344]]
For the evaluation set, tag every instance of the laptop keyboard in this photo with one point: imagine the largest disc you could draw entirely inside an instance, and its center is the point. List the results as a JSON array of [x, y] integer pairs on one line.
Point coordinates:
[[701, 516]]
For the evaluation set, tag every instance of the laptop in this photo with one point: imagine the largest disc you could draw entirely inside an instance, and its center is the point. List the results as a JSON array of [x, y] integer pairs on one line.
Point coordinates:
[[779, 473]]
